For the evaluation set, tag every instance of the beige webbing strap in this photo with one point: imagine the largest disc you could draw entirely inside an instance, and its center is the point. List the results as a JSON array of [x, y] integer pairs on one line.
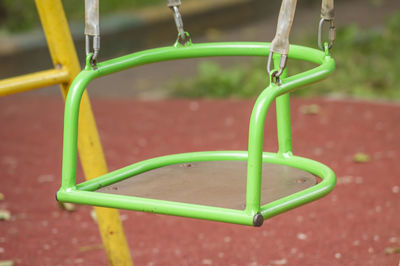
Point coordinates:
[[172, 3], [327, 10], [280, 44], [92, 28]]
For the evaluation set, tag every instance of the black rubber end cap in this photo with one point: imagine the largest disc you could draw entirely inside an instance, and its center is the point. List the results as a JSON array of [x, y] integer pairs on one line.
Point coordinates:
[[258, 220]]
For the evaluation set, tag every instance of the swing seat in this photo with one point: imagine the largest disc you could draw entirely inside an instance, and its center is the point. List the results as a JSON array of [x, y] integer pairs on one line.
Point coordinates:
[[241, 187], [212, 183]]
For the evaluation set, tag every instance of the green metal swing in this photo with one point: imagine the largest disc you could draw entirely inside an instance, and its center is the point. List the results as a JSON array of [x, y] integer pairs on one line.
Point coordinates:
[[211, 185]]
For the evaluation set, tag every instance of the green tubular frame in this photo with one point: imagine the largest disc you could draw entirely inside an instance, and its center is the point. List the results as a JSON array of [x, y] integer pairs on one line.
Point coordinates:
[[254, 213]]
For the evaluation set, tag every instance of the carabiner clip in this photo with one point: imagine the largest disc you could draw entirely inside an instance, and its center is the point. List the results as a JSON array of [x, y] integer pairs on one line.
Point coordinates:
[[332, 33], [183, 37], [275, 74], [96, 48], [92, 29]]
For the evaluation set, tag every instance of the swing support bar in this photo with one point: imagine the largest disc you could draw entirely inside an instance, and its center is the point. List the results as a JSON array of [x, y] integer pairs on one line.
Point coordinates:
[[33, 81], [85, 193]]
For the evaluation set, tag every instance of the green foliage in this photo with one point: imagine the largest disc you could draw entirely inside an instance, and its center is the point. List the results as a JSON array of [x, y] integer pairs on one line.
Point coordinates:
[[212, 81], [21, 15], [368, 65], [18, 15]]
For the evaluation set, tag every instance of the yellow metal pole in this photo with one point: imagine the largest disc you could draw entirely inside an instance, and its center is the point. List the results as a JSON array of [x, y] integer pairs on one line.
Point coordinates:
[[33, 81], [63, 54]]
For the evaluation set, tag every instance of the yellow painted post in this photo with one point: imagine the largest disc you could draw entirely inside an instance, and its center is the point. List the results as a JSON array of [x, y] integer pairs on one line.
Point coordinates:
[[64, 55]]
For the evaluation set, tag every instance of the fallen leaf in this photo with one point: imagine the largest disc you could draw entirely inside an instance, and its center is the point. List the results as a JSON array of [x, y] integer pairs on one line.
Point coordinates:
[[93, 215], [361, 157], [392, 250], [5, 215], [67, 206], [311, 109], [6, 263], [279, 262], [46, 178], [90, 247]]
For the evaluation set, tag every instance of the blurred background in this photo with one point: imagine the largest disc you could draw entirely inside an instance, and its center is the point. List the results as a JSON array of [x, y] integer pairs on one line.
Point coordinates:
[[365, 50], [355, 225]]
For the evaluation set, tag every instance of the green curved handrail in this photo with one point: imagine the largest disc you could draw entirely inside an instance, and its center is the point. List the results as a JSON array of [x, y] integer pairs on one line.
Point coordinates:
[[84, 192]]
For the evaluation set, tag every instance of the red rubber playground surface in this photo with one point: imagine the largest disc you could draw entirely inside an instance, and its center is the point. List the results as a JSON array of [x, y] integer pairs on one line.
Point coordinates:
[[357, 224]]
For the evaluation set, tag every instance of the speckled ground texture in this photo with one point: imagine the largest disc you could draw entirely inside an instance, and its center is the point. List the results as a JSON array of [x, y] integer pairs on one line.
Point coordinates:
[[353, 225]]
